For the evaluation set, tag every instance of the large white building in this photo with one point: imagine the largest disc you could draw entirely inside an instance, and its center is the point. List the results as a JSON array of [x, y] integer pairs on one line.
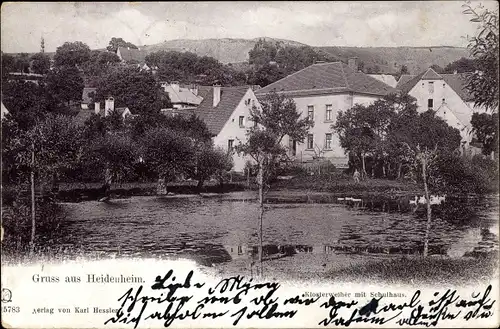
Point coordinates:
[[320, 91], [446, 95]]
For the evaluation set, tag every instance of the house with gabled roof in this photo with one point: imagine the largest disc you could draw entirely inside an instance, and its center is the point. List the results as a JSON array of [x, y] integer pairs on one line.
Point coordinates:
[[182, 97], [131, 55], [226, 112], [446, 95], [320, 91]]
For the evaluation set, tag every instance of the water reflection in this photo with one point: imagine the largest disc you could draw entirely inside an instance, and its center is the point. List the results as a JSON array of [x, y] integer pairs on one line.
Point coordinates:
[[219, 229]]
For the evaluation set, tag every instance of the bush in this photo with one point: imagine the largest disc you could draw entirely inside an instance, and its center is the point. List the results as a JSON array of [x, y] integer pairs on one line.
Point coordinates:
[[16, 221], [459, 174]]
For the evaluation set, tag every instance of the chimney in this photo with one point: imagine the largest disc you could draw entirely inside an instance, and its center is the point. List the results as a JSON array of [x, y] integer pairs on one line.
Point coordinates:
[[97, 107], [109, 106], [217, 92], [175, 86], [353, 63]]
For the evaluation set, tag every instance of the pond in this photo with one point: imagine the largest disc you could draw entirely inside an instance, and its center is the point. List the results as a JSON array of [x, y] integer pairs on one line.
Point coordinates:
[[222, 228]]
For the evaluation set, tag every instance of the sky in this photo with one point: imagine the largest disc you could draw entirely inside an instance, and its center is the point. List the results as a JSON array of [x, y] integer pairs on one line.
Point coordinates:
[[356, 24]]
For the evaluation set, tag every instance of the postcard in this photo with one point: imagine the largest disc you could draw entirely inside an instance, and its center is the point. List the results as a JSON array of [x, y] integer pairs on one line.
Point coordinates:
[[250, 164]]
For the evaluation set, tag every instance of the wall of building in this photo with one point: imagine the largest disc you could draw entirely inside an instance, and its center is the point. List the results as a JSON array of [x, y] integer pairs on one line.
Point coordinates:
[[442, 92], [339, 102], [232, 129]]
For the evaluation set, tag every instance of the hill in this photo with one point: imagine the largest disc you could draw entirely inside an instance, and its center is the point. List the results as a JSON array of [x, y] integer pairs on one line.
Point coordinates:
[[390, 59], [378, 59], [225, 50], [387, 59]]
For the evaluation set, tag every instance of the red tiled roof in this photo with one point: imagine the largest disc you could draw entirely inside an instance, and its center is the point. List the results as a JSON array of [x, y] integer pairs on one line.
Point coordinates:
[[328, 78], [216, 117]]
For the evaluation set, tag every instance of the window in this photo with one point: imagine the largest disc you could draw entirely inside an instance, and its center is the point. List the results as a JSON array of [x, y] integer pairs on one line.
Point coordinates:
[[328, 113], [230, 144], [431, 87], [310, 141], [310, 112], [241, 121], [328, 141], [444, 85], [444, 100], [430, 104]]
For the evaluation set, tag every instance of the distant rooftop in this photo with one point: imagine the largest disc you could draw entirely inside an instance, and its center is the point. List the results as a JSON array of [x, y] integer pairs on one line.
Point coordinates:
[[328, 78]]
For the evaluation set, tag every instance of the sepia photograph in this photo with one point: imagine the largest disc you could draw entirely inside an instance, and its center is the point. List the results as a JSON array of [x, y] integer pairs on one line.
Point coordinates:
[[343, 153]]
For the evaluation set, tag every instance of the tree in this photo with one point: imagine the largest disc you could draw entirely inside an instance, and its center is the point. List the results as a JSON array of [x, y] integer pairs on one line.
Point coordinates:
[[167, 153], [356, 135], [483, 83], [8, 64], [438, 69], [462, 65], [22, 63], [114, 43], [27, 102], [131, 87], [277, 118], [211, 161], [100, 62], [402, 71], [66, 85], [40, 63], [485, 129], [72, 54], [430, 136], [116, 153], [262, 53], [46, 151]]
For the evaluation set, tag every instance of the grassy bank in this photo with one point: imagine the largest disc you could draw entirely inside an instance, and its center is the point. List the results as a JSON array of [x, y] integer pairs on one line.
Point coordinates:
[[342, 184], [418, 270]]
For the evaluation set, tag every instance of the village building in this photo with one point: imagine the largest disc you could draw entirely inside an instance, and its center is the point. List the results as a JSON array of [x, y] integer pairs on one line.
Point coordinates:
[[446, 95], [182, 97], [320, 91], [109, 106], [226, 112]]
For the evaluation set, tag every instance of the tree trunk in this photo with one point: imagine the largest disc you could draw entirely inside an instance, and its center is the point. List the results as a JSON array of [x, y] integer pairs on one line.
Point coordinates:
[[364, 165], [261, 212], [33, 201], [200, 183], [428, 203], [400, 165], [384, 173]]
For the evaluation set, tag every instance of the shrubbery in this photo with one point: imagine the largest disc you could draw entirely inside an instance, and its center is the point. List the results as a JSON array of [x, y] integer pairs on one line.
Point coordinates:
[[461, 174]]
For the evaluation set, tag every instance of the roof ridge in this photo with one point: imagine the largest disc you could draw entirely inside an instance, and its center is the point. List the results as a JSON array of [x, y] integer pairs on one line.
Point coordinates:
[[294, 73]]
